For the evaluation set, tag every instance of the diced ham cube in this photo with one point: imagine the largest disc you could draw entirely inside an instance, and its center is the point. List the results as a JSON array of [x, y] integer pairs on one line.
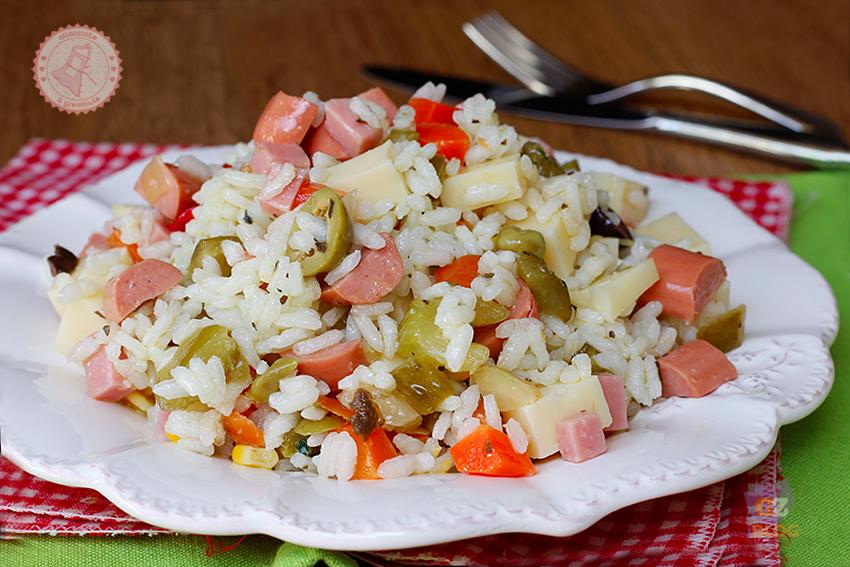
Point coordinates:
[[283, 201], [354, 136], [267, 154], [285, 120], [320, 140], [96, 242], [694, 369], [580, 437], [102, 380], [615, 395], [159, 424], [379, 97], [687, 281]]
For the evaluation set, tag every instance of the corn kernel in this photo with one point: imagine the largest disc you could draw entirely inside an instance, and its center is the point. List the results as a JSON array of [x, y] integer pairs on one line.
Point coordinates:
[[254, 457], [171, 437]]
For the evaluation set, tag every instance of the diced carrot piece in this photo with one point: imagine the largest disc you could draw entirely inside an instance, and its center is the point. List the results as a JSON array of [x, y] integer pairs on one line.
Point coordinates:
[[694, 369], [334, 406], [371, 452], [488, 452], [429, 111], [115, 242], [687, 281], [242, 430], [451, 141], [460, 272]]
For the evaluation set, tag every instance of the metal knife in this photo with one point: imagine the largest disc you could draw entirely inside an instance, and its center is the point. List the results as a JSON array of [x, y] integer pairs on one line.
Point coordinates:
[[804, 148]]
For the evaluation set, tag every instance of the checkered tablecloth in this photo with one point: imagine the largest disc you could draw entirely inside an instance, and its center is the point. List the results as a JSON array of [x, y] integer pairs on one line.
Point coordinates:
[[716, 525]]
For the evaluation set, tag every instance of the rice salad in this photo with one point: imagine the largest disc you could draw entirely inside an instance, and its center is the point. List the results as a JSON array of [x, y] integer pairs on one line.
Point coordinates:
[[365, 291]]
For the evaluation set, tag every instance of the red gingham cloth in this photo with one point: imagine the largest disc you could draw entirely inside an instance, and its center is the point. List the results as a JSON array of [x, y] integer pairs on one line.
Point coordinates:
[[706, 527]]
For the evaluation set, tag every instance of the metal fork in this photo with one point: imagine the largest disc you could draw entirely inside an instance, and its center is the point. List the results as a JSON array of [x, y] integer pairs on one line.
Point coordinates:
[[546, 75]]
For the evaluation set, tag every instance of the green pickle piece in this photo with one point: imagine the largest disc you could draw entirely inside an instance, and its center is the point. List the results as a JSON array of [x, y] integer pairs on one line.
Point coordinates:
[[546, 166], [489, 313], [328, 206], [209, 247], [725, 331], [521, 240], [420, 337], [440, 164], [309, 427], [397, 413], [268, 383], [422, 385], [550, 291], [403, 135], [209, 341], [289, 445]]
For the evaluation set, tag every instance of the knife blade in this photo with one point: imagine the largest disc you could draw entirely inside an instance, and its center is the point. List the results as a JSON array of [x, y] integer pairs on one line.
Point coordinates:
[[573, 110]]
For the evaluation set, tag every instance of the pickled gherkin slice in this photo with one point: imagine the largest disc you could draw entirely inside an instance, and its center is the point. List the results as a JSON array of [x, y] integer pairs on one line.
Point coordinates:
[[725, 331], [209, 341], [209, 247], [520, 240], [550, 291], [546, 166], [268, 383], [289, 446], [397, 135], [397, 413], [308, 427], [420, 337], [422, 385], [489, 313], [328, 206]]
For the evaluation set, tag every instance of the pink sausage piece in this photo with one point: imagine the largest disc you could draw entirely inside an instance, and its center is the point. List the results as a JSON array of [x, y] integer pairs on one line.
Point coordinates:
[[285, 120], [377, 274], [688, 281], [580, 437], [379, 97], [333, 363], [140, 282], [354, 136], [320, 140], [102, 380], [615, 395], [694, 369], [267, 154], [524, 306], [167, 188]]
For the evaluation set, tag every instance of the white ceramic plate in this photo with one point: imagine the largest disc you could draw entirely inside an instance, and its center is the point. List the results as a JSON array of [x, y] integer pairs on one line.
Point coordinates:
[[52, 430]]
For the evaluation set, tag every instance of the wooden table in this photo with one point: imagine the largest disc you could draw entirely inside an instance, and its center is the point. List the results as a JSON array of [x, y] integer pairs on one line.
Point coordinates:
[[200, 72]]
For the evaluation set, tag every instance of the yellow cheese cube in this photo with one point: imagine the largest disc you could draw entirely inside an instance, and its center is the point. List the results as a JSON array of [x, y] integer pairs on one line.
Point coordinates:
[[371, 174], [79, 320], [627, 198], [672, 229], [485, 184], [615, 295], [558, 257], [558, 402]]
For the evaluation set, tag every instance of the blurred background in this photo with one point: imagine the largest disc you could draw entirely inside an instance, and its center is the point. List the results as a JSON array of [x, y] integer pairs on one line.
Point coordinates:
[[200, 72]]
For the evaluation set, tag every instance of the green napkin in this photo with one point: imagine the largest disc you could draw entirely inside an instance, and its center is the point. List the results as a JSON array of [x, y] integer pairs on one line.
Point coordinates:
[[815, 451], [815, 456]]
